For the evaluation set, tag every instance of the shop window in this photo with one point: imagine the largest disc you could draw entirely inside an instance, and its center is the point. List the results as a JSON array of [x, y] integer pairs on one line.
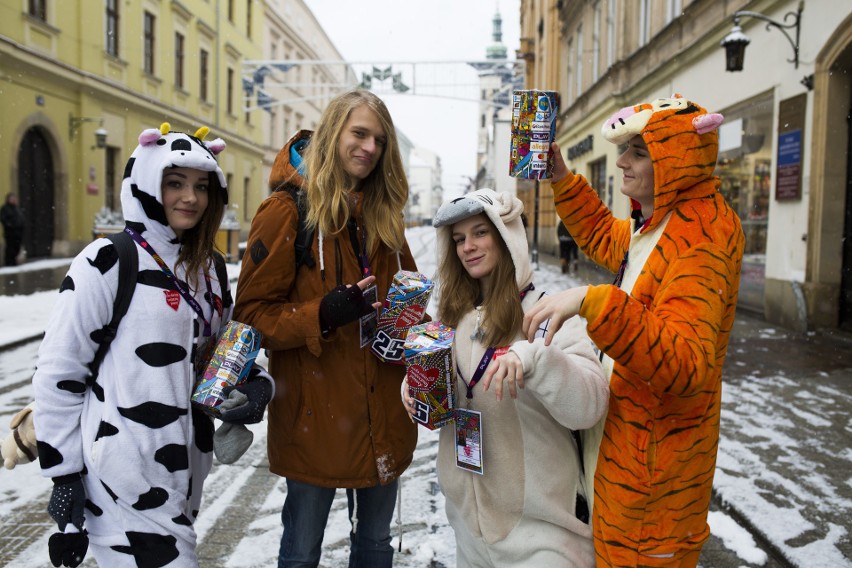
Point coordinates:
[[597, 179], [744, 168]]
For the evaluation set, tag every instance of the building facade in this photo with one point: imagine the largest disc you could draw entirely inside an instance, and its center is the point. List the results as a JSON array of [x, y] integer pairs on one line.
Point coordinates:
[[784, 145], [81, 79]]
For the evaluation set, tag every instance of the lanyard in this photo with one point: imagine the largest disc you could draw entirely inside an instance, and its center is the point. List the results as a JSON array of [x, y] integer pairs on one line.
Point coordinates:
[[359, 246], [167, 271], [486, 358], [480, 370]]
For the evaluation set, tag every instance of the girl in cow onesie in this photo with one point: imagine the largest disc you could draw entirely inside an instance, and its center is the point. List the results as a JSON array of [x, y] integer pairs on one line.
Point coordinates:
[[523, 505], [126, 451], [663, 328]]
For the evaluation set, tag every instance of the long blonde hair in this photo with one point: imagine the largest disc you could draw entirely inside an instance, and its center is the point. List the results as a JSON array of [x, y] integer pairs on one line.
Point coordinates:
[[458, 292], [328, 185]]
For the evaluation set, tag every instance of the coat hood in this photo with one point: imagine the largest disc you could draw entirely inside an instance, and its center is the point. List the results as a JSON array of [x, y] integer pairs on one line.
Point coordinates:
[[288, 166], [504, 210], [160, 148], [683, 143]]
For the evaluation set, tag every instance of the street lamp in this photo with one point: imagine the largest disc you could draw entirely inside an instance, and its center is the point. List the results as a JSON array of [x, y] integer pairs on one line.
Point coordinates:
[[736, 41], [74, 123]]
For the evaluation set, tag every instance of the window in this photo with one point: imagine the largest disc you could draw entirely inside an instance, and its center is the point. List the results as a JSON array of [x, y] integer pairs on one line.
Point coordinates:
[[247, 214], [38, 9], [179, 47], [610, 33], [248, 18], [203, 73], [231, 11], [229, 96], [112, 27], [111, 200], [596, 43], [644, 21], [148, 41], [597, 179], [578, 67]]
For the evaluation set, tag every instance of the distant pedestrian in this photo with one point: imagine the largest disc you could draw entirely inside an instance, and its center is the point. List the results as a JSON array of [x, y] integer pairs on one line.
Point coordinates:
[[13, 222], [523, 501], [567, 250], [663, 327]]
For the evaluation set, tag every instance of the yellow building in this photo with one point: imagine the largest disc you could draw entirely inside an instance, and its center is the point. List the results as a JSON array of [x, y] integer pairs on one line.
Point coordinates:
[[80, 80]]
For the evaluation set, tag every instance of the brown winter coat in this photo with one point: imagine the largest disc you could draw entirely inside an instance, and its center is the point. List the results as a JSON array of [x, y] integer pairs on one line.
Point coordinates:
[[336, 419]]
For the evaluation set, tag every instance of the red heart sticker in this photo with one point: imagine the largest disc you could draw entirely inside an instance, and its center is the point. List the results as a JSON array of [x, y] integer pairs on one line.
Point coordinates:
[[422, 380], [409, 316], [172, 298]]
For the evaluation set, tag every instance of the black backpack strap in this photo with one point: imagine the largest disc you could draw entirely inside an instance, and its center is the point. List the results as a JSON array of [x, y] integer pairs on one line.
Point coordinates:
[[128, 269], [222, 276], [304, 236]]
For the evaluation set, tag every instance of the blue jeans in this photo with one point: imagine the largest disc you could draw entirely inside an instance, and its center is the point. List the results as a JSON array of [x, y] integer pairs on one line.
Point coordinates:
[[305, 515]]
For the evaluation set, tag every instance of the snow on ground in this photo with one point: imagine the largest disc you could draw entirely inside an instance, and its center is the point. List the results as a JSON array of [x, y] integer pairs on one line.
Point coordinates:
[[758, 445]]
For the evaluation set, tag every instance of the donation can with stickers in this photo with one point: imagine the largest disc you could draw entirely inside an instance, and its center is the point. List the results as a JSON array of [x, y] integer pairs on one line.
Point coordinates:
[[431, 381], [533, 129], [404, 307]]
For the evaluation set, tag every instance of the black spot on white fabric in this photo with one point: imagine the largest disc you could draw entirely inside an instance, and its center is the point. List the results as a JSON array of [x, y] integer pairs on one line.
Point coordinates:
[[258, 251], [161, 142], [109, 491], [98, 391], [105, 258], [150, 550], [181, 145], [128, 167], [153, 208], [160, 354], [105, 429], [67, 284], [94, 509], [75, 387], [136, 226], [203, 426], [155, 279], [153, 414], [174, 457], [182, 520], [153, 498], [48, 456]]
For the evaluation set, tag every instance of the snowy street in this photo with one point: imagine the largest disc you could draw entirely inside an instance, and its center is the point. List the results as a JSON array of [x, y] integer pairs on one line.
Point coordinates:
[[783, 477]]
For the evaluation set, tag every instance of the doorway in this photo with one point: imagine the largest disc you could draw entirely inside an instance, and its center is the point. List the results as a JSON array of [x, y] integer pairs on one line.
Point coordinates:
[[36, 193], [846, 269]]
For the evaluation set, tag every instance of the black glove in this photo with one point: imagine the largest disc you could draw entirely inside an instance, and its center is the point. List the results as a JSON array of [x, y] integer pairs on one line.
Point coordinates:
[[341, 306], [67, 501], [68, 549], [258, 389]]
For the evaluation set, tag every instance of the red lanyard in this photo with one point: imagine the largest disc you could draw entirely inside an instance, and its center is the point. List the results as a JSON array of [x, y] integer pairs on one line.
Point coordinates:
[[170, 275]]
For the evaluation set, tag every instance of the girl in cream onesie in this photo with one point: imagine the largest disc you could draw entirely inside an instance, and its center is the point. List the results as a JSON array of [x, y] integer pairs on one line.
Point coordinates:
[[526, 507]]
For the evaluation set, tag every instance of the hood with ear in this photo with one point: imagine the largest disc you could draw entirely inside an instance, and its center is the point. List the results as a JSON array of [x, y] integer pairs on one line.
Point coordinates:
[[504, 210], [158, 149], [683, 143]]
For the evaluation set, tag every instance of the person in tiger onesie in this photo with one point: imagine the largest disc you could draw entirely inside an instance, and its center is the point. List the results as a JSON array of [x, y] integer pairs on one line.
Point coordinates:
[[662, 328]]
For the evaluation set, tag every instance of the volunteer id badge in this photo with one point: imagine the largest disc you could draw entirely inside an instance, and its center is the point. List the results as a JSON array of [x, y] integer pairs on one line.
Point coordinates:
[[469, 440], [369, 322]]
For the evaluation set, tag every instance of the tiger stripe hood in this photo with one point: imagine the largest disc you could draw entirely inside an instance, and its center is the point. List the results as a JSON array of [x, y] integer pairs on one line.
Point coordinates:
[[683, 143]]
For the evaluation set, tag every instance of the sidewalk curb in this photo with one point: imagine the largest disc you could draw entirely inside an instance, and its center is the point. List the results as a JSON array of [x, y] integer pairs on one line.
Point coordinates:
[[761, 540], [22, 341]]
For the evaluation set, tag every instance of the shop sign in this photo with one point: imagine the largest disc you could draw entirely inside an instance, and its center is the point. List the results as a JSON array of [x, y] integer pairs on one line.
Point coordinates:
[[788, 167], [584, 146]]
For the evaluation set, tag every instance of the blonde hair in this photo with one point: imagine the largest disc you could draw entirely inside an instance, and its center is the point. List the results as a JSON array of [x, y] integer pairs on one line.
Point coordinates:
[[458, 292], [328, 185]]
